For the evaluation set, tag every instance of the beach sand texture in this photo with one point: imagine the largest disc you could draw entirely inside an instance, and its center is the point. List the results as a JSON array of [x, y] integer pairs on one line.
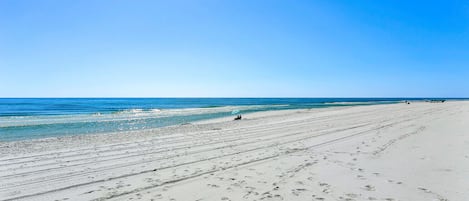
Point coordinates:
[[381, 152]]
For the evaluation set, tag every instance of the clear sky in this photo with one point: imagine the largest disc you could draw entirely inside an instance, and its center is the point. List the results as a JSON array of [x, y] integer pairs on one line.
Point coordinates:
[[251, 48]]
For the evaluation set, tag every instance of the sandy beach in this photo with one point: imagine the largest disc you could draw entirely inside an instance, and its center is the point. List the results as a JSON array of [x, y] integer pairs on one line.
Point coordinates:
[[381, 152]]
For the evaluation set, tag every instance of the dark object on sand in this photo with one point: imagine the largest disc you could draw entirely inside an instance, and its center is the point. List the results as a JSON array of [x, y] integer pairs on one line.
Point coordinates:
[[407, 102], [238, 117], [436, 101]]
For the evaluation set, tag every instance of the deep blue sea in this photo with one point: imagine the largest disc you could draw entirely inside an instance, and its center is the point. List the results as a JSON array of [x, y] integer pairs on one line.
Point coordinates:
[[32, 118]]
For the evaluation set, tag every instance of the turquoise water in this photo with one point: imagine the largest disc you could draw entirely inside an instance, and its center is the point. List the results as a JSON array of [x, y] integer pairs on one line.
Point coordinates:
[[32, 118]]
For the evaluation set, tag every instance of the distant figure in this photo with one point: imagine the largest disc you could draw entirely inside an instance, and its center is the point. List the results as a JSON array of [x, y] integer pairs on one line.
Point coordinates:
[[238, 117], [437, 101]]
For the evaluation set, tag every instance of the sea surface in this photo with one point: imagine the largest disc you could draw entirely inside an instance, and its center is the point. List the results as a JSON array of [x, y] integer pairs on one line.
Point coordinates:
[[33, 118]]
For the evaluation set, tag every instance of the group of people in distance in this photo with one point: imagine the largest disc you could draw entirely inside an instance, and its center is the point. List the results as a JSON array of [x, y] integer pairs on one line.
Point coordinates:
[[429, 101]]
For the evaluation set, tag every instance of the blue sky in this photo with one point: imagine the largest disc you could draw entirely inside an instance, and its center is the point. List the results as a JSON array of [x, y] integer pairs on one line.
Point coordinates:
[[211, 48]]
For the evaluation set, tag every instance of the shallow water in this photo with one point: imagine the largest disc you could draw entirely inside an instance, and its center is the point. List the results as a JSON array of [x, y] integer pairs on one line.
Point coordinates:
[[30, 118]]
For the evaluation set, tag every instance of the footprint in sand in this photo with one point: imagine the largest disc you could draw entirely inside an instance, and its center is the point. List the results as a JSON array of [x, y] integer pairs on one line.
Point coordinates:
[[213, 185], [351, 195], [424, 189], [369, 188], [250, 193], [297, 191], [323, 184], [268, 196], [88, 192], [361, 177], [250, 188], [278, 196]]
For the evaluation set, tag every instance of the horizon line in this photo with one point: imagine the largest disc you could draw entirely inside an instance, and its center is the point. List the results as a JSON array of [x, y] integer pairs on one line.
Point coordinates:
[[207, 97]]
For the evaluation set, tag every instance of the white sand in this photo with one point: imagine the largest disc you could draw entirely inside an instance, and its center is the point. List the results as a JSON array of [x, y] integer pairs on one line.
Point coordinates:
[[382, 152]]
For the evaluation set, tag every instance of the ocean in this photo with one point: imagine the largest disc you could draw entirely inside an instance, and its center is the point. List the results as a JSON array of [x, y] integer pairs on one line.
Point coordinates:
[[34, 118]]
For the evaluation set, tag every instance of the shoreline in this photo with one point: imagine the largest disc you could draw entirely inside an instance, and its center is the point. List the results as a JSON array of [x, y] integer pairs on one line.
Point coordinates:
[[373, 152], [119, 136], [72, 119], [198, 122]]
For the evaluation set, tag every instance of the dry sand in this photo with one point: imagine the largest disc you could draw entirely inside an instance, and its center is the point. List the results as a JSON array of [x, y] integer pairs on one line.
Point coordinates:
[[382, 152]]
